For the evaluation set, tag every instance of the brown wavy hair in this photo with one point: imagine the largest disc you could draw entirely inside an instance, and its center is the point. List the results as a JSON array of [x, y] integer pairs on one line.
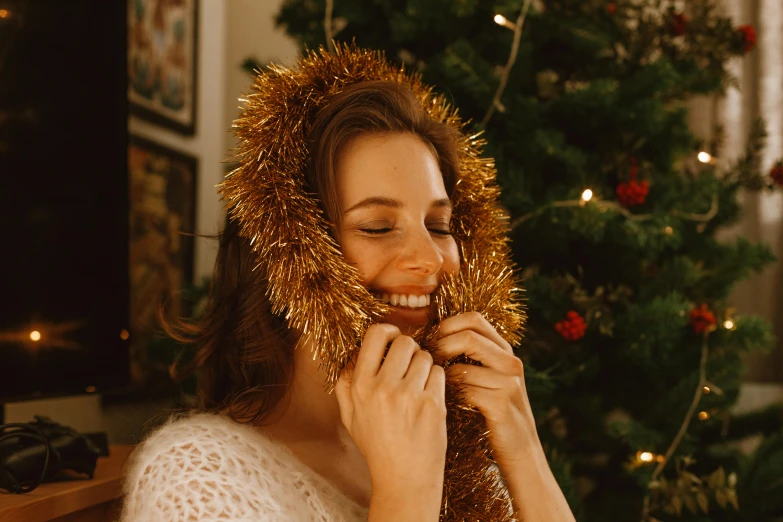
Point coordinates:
[[244, 352]]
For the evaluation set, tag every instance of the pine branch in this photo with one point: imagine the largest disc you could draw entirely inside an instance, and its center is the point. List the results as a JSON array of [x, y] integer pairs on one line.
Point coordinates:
[[683, 428]]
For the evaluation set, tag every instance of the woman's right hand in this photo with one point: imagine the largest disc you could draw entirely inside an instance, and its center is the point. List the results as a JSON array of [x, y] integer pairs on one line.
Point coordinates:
[[395, 411]]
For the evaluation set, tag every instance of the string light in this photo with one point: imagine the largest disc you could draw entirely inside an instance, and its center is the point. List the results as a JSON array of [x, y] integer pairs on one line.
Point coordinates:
[[124, 334], [503, 21], [587, 195], [512, 57], [728, 324], [669, 231], [703, 415], [705, 157], [707, 390], [35, 335], [646, 456], [4, 13]]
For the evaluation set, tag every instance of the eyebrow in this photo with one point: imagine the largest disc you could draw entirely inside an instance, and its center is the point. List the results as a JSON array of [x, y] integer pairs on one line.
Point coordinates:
[[379, 201]]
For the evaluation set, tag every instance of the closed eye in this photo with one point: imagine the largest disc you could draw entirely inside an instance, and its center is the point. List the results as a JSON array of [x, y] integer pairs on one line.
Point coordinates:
[[378, 231], [441, 232]]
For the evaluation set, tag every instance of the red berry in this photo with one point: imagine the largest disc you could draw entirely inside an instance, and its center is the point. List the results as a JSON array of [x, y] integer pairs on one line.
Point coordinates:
[[632, 193], [777, 173], [748, 36], [678, 23], [572, 328], [702, 318]]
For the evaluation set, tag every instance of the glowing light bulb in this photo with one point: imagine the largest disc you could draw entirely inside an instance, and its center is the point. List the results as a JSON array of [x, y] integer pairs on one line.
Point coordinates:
[[502, 20], [703, 415], [646, 456], [729, 324], [705, 157], [587, 195], [707, 390], [35, 335]]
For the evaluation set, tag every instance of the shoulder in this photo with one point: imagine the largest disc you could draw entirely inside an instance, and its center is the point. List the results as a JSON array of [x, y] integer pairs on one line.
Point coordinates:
[[206, 466]]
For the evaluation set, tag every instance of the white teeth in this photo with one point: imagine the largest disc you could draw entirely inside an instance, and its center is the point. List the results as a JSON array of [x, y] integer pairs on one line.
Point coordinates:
[[406, 300]]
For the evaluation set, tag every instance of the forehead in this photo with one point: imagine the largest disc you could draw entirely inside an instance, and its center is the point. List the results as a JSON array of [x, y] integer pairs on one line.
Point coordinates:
[[391, 165]]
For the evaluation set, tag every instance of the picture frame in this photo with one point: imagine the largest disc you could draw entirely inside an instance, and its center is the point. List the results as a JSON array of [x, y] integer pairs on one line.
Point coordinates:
[[162, 62], [162, 221]]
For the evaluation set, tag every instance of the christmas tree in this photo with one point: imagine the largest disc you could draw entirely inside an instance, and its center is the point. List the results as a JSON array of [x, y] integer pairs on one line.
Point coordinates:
[[633, 351]]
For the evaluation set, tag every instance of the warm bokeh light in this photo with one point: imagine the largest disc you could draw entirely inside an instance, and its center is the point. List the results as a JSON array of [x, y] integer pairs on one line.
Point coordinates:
[[646, 456], [707, 389], [705, 157], [35, 335], [500, 19], [703, 415], [4, 13], [124, 334], [669, 231], [90, 389], [587, 195], [729, 324]]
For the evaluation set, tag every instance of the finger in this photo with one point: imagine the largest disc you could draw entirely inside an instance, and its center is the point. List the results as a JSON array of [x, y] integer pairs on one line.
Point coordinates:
[[398, 359], [436, 382], [373, 348], [480, 398], [476, 322], [479, 348], [419, 370], [478, 376], [342, 391]]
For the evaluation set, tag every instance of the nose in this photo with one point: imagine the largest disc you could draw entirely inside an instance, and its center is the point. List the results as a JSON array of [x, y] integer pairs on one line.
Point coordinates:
[[420, 254]]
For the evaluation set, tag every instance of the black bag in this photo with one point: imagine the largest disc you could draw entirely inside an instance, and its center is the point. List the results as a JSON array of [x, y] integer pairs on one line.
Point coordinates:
[[34, 452]]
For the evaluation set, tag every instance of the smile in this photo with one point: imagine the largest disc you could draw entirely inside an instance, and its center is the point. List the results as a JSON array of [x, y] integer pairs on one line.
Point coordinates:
[[405, 300]]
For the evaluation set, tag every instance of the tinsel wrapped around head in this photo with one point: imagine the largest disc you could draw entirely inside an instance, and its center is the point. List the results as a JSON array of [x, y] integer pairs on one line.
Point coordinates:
[[314, 288]]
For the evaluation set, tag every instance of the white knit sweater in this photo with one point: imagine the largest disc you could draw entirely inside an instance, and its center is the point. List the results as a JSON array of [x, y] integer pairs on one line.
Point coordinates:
[[207, 467]]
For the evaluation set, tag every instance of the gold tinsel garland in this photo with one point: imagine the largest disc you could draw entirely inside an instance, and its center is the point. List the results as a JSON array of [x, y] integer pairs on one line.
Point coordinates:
[[320, 295]]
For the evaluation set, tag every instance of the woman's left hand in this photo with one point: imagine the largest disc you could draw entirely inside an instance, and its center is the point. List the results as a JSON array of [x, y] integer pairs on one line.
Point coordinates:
[[497, 388]]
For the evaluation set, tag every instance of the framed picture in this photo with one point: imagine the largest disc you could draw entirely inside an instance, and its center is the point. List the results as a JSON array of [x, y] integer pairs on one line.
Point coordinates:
[[162, 188], [162, 43]]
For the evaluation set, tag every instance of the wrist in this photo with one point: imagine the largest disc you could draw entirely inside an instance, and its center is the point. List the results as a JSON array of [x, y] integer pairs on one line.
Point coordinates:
[[393, 502]]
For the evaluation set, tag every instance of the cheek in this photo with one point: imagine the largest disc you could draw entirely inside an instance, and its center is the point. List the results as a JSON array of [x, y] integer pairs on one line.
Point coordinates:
[[362, 256]]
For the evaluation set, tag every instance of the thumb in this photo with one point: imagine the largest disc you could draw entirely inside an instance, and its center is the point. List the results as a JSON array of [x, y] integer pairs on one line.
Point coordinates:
[[343, 392]]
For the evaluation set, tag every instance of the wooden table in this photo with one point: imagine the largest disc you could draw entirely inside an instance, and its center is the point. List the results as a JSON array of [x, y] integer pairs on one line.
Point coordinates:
[[76, 500]]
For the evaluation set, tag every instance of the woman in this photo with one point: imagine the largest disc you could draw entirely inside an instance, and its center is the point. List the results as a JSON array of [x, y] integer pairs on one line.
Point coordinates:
[[281, 447]]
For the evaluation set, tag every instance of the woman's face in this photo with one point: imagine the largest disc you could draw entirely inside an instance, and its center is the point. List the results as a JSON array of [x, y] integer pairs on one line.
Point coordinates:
[[395, 222]]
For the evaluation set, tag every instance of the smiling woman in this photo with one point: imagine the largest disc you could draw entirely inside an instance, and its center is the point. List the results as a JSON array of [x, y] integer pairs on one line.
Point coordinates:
[[395, 230], [271, 441]]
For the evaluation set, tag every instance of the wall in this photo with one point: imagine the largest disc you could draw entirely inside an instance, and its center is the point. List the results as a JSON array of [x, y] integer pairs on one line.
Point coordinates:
[[251, 32], [208, 142], [229, 32]]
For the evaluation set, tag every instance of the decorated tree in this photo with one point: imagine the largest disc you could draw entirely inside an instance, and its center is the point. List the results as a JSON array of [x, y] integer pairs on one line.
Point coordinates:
[[633, 350]]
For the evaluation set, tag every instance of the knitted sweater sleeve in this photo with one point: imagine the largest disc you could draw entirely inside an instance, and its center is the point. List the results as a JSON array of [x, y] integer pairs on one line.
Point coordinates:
[[203, 468]]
